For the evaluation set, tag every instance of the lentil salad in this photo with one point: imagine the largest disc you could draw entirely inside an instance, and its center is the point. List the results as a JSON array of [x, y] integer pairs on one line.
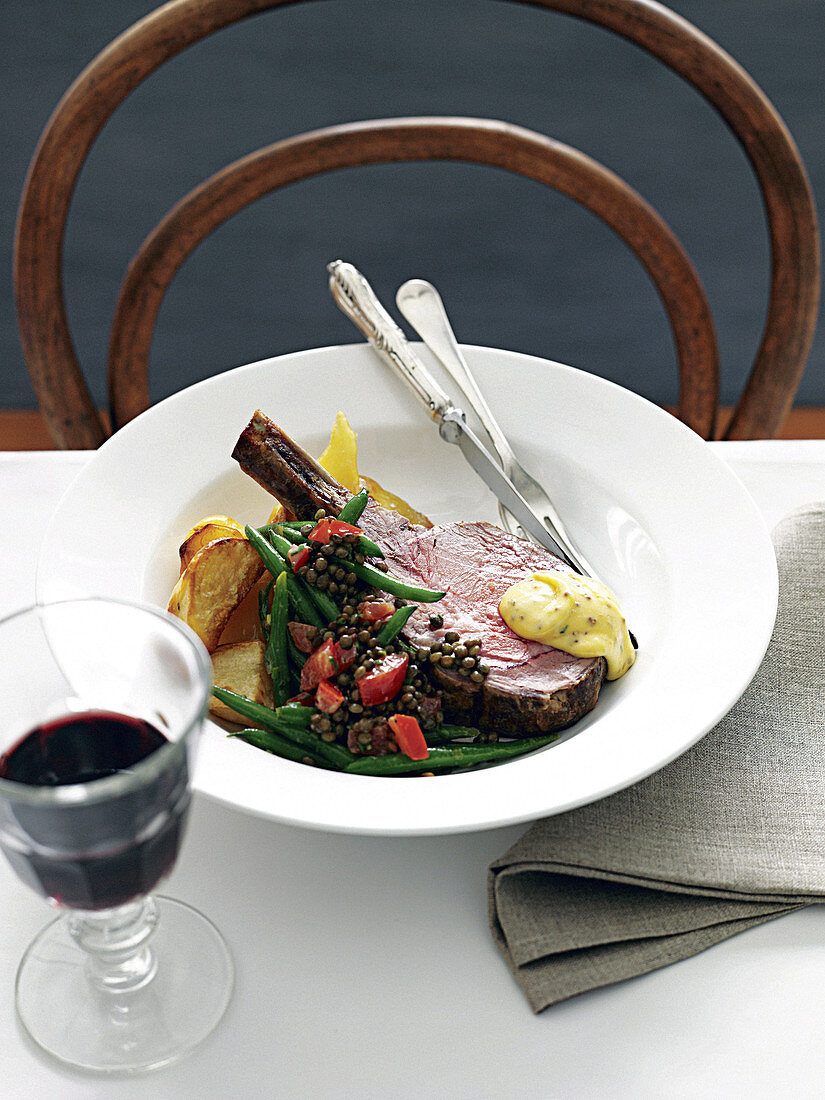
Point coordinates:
[[350, 691]]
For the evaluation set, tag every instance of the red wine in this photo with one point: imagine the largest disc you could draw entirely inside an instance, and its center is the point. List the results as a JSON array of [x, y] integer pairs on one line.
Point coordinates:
[[95, 854], [80, 748]]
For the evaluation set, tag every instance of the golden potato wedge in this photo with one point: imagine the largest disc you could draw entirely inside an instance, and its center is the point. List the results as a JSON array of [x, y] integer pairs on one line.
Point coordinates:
[[206, 531], [389, 500], [213, 584], [278, 514], [239, 667], [341, 460], [341, 455]]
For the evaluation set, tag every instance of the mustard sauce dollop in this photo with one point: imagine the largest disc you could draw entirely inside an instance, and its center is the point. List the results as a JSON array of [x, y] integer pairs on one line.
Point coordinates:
[[573, 613]]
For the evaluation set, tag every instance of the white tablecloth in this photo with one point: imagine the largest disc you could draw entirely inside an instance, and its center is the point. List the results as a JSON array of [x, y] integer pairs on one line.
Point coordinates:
[[365, 967]]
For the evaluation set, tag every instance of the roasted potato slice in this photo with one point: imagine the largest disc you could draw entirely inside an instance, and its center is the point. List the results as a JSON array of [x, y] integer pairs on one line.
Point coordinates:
[[239, 667], [213, 584], [206, 531]]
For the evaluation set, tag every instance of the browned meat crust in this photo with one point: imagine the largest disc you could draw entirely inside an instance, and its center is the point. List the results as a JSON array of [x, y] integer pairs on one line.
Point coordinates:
[[284, 469], [509, 706]]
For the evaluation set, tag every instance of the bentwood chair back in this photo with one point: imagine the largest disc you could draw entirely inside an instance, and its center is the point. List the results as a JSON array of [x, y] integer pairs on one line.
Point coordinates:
[[794, 282]]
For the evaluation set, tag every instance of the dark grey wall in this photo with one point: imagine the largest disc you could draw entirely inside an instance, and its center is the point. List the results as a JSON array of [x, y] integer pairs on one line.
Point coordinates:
[[518, 266]]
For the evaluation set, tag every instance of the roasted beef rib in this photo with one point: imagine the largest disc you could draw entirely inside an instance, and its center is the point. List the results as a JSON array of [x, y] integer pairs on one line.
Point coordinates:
[[531, 688]]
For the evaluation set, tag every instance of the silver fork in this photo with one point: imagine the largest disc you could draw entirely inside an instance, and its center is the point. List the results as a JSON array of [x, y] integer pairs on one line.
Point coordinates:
[[422, 306]]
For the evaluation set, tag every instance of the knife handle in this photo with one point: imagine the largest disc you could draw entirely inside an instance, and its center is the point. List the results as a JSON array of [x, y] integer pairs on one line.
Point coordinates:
[[356, 298]]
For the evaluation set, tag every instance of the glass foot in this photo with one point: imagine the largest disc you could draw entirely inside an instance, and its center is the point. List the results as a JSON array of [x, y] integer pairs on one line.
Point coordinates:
[[128, 1030]]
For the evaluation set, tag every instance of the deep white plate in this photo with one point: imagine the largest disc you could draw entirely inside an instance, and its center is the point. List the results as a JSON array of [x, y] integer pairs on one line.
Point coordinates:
[[661, 518]]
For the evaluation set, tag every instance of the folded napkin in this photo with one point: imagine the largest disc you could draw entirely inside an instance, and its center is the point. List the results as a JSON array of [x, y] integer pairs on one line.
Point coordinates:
[[729, 835]]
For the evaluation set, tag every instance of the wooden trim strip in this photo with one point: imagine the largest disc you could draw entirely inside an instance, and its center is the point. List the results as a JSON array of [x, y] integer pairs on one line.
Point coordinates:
[[25, 429]]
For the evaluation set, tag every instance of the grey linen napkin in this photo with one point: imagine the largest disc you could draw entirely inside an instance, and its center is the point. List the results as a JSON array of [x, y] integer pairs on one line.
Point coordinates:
[[729, 835]]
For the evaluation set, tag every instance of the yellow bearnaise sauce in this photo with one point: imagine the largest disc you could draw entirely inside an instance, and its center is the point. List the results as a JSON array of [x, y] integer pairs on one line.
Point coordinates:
[[576, 614]]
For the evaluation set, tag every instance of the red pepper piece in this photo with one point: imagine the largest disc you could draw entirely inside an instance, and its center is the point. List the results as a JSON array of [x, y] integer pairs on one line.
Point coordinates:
[[344, 657], [341, 527], [328, 698], [384, 681], [408, 736], [320, 532], [303, 635], [325, 527], [320, 665], [373, 611], [298, 556]]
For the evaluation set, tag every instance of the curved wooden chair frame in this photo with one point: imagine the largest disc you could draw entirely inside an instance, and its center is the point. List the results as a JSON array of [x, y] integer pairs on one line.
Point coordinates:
[[479, 140], [117, 70]]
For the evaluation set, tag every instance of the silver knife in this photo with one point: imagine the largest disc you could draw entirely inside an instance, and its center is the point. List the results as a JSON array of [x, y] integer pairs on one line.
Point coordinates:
[[356, 298]]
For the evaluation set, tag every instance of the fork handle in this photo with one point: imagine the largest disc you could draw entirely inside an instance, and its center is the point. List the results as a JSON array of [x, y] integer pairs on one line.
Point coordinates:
[[421, 304]]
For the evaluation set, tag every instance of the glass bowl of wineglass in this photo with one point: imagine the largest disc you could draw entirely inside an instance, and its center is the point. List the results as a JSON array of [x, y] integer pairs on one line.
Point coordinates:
[[102, 705]]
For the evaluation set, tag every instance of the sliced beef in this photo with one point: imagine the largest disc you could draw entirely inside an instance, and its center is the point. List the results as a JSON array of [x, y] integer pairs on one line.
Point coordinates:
[[531, 688]]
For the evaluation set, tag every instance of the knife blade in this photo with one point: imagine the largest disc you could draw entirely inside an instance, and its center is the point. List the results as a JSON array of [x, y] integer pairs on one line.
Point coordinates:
[[453, 429]]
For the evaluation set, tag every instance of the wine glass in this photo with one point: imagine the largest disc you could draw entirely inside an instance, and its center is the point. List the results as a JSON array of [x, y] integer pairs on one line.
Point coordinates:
[[102, 703]]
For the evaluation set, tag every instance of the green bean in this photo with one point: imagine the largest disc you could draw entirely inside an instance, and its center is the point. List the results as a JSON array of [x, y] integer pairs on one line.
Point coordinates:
[[446, 732], [332, 753], [290, 533], [298, 658], [272, 742], [354, 508], [453, 756], [274, 563], [275, 653], [256, 712], [325, 604], [281, 544], [368, 547], [293, 534], [386, 582], [298, 597], [394, 624], [295, 714], [263, 607]]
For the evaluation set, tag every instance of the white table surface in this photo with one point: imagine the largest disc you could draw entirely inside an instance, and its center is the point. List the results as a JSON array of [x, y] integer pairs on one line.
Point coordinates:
[[365, 967]]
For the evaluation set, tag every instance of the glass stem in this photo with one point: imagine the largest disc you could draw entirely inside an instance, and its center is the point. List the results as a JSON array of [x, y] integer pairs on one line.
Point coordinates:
[[116, 942]]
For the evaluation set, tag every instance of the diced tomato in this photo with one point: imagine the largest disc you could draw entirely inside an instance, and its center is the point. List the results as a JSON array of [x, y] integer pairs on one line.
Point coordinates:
[[303, 635], [384, 681], [341, 527], [319, 665], [325, 527], [408, 736], [320, 532], [328, 697], [303, 697], [373, 611], [298, 555], [344, 657]]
